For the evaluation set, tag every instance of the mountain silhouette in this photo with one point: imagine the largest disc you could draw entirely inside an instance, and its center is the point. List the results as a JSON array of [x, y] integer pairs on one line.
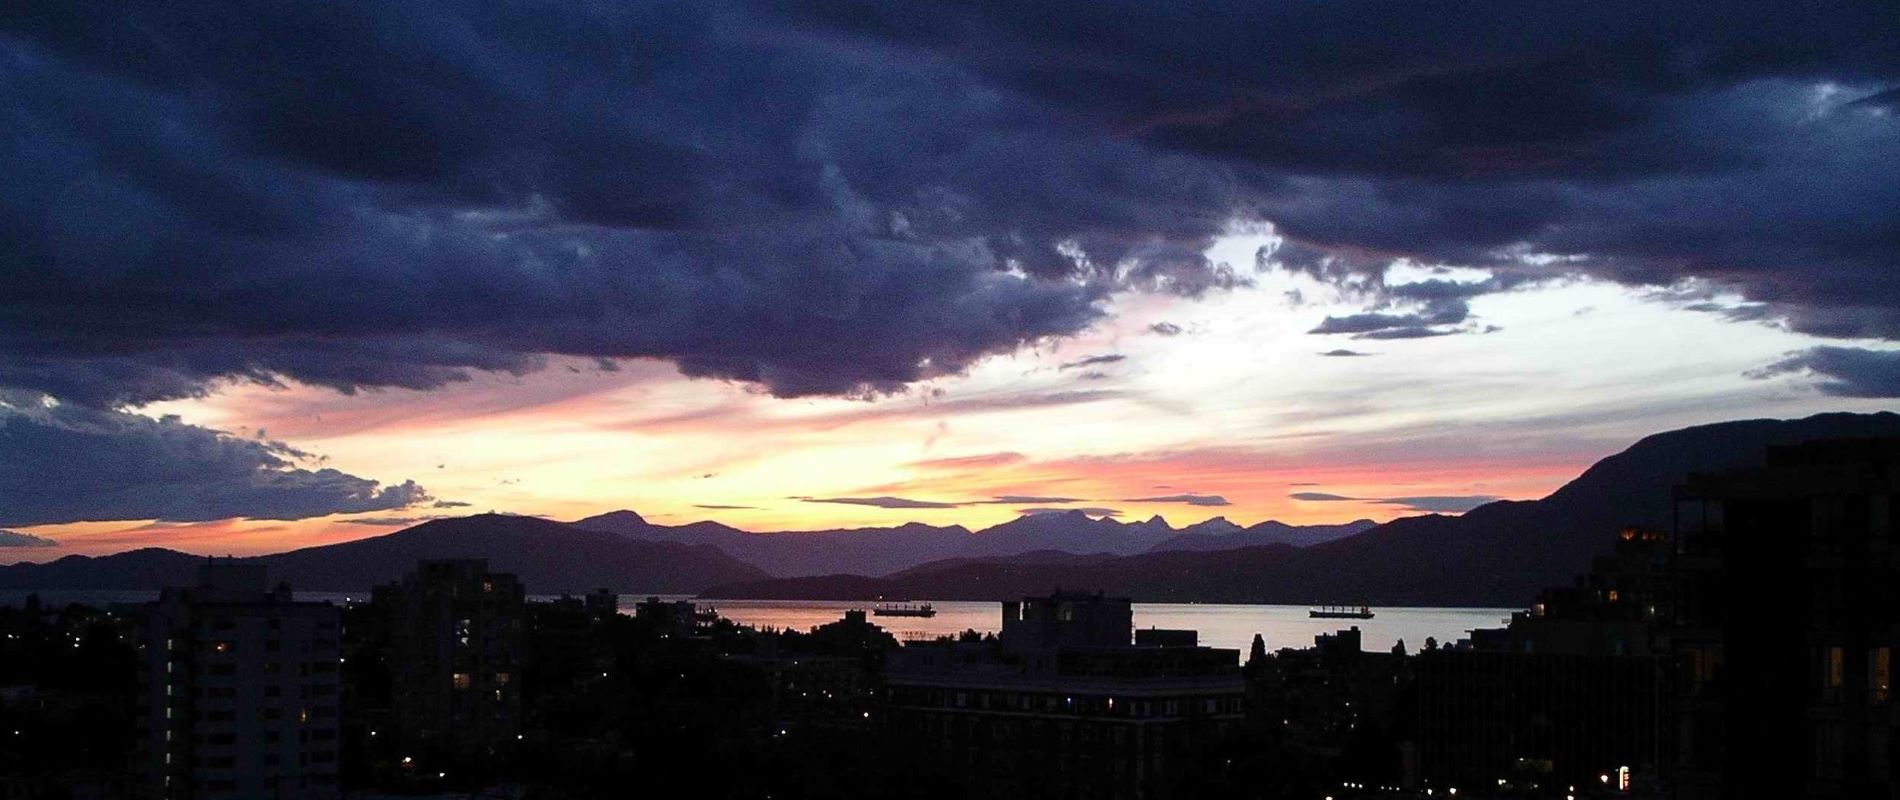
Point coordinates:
[[548, 556], [1195, 537], [865, 551], [883, 551], [1499, 554]]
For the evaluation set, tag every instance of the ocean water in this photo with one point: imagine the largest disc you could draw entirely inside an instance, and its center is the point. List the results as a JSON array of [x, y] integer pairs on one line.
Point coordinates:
[[1220, 625]]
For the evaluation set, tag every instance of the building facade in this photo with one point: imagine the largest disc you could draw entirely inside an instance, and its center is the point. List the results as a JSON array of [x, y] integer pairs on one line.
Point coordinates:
[[238, 690], [1785, 625], [1062, 704], [456, 655], [1575, 691]]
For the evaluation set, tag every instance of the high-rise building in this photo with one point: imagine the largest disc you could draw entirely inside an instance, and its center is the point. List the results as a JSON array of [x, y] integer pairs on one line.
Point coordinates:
[[455, 655], [1062, 704], [1573, 692], [238, 690], [1786, 623]]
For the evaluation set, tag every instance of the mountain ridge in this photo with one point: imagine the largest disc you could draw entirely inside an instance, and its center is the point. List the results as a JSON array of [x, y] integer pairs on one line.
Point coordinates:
[[548, 556], [1498, 554], [879, 551]]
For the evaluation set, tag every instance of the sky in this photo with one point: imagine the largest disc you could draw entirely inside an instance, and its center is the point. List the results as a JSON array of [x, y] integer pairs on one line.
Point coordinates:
[[291, 274]]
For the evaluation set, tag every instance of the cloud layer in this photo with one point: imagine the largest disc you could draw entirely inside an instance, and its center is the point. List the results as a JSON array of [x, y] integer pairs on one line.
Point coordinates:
[[17, 539], [841, 198], [844, 198], [69, 463], [1844, 371], [393, 194], [1429, 504]]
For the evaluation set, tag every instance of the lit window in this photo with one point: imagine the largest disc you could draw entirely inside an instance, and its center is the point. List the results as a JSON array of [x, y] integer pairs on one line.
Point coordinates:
[[222, 647], [460, 680], [501, 678]]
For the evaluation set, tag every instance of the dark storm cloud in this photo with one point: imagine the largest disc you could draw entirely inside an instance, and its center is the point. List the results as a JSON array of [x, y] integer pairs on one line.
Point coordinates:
[[384, 522], [843, 197], [1638, 142], [1320, 497], [1439, 504], [1375, 323], [17, 539], [393, 194], [1844, 371], [880, 502], [1432, 504], [70, 464], [1094, 361], [1190, 499]]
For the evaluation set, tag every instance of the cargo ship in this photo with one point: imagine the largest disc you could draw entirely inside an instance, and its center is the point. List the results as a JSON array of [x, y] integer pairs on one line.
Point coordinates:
[[903, 610]]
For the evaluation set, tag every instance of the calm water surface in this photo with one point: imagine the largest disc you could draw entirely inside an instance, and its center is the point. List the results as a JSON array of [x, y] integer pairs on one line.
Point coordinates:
[[1231, 626]]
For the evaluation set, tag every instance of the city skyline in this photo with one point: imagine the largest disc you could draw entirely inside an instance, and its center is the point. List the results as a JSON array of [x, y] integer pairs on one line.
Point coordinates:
[[287, 280]]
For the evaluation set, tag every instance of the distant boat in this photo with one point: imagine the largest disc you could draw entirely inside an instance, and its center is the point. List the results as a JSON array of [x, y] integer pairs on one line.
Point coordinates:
[[1340, 612], [903, 610]]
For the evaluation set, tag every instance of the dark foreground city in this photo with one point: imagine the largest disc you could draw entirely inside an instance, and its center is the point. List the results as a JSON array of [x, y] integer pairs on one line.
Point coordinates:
[[1745, 653]]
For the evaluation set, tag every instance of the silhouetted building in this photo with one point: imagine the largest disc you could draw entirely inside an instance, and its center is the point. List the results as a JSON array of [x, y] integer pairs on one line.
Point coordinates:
[[1535, 721], [1786, 624], [1572, 691], [826, 676], [456, 634], [1038, 625], [1617, 609], [602, 603], [1061, 704], [238, 690], [1326, 716], [678, 618]]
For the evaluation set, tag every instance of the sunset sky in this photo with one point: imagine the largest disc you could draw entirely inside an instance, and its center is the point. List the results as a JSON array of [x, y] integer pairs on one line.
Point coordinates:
[[327, 271]]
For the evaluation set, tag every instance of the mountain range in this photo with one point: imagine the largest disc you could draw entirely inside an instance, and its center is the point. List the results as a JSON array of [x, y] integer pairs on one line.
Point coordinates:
[[1499, 554], [549, 557], [882, 551]]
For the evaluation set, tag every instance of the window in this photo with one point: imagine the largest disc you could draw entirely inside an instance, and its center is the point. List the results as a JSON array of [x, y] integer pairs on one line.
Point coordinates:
[[501, 679], [460, 680], [1833, 673]]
